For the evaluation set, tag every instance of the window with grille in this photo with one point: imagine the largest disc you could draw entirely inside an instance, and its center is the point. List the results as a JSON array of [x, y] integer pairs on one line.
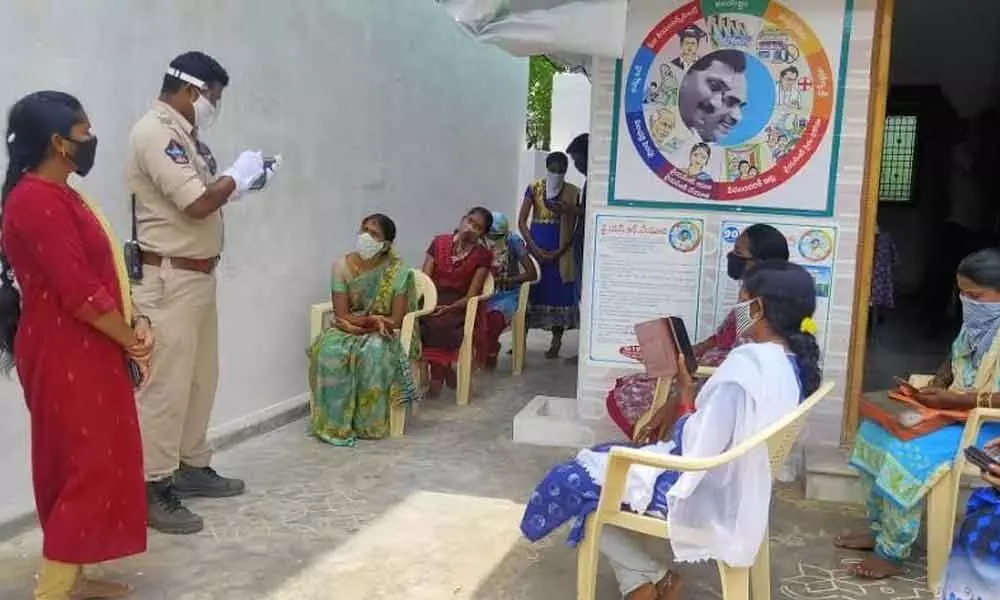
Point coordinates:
[[899, 151]]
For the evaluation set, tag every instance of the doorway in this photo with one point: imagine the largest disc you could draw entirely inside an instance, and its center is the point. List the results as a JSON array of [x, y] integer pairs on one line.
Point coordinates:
[[937, 169]]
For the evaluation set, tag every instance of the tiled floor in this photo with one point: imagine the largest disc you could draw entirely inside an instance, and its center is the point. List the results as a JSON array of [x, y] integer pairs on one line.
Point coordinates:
[[431, 516]]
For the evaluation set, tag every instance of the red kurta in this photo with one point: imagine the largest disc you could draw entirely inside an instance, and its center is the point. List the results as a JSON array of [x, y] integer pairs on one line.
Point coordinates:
[[85, 444], [442, 335]]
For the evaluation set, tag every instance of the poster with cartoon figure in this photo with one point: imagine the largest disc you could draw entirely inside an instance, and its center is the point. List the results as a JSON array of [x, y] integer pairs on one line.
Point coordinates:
[[730, 105], [811, 247]]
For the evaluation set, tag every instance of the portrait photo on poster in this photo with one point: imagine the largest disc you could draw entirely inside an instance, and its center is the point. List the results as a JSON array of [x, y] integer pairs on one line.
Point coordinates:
[[730, 106]]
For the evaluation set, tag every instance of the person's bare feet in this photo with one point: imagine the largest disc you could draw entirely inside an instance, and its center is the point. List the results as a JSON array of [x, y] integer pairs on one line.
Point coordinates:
[[855, 541], [97, 589], [434, 388], [875, 567], [670, 587], [647, 591]]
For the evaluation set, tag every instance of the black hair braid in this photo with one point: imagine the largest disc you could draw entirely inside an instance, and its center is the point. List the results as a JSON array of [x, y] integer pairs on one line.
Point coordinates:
[[788, 293], [806, 351], [10, 297]]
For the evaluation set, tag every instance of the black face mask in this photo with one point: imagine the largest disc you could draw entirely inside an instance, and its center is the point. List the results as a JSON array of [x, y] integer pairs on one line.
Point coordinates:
[[84, 156], [736, 265]]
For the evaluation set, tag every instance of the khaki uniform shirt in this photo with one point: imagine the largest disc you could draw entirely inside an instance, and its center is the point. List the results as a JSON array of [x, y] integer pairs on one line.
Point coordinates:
[[168, 169]]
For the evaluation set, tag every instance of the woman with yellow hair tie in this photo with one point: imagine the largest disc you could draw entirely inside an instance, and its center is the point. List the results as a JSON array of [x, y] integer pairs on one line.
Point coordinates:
[[760, 382]]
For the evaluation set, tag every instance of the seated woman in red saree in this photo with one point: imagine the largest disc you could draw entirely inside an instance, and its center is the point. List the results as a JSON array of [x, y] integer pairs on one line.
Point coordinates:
[[458, 264]]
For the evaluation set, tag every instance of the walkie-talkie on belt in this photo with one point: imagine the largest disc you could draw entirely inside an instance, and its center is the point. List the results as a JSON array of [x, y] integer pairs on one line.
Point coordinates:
[[133, 252]]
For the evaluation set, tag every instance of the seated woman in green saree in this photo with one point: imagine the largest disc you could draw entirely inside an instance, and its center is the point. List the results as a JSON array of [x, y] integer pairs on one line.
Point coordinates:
[[357, 367]]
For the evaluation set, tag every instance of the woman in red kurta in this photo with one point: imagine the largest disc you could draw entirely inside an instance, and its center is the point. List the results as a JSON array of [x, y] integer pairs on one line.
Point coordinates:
[[458, 264], [69, 335]]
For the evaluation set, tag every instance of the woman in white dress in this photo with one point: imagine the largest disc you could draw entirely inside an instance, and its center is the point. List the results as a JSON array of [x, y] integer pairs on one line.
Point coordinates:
[[720, 514]]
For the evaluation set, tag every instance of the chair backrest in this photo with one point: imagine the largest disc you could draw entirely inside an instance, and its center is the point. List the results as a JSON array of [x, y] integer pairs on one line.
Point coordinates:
[[426, 292], [782, 435], [538, 269], [328, 317]]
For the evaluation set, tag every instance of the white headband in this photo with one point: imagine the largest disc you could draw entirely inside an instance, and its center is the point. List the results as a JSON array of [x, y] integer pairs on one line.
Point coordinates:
[[186, 78]]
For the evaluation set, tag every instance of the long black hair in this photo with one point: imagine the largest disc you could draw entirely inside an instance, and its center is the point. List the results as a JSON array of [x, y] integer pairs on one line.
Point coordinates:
[[31, 123], [788, 295]]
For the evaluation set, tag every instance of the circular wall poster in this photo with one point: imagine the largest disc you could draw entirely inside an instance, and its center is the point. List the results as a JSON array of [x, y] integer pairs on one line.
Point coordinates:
[[728, 103]]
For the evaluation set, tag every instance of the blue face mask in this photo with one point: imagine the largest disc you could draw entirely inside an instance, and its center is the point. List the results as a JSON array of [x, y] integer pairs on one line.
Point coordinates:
[[980, 322]]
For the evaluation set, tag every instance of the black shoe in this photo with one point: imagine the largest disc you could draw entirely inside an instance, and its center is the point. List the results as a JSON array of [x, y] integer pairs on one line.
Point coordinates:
[[165, 512], [206, 483]]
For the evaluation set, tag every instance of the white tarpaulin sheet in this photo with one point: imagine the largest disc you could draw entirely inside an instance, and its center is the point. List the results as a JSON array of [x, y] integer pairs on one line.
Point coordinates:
[[568, 31]]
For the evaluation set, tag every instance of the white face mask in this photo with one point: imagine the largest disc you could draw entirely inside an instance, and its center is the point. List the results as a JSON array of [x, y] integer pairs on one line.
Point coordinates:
[[744, 316], [553, 184], [205, 113], [368, 247]]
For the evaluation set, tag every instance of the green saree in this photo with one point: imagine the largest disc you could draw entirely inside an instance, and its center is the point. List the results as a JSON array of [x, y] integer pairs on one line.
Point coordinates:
[[356, 378]]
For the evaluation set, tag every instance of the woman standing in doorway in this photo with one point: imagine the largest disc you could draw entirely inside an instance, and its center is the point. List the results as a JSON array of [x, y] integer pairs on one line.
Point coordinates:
[[547, 221], [69, 339]]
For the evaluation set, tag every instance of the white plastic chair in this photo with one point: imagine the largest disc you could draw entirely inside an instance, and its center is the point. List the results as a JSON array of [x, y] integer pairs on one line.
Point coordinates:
[[737, 583], [519, 325], [942, 500], [464, 384], [321, 317]]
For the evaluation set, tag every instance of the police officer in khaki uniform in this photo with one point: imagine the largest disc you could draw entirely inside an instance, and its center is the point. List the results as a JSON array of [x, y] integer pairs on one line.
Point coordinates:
[[178, 202]]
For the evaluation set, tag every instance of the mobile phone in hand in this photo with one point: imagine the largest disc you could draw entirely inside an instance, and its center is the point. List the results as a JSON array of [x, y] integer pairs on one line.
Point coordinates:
[[980, 458], [134, 373], [261, 181], [683, 344], [908, 387]]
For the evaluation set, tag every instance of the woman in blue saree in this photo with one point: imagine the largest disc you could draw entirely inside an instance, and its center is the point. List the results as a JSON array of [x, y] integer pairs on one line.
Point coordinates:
[[974, 567], [548, 221], [357, 367], [898, 474]]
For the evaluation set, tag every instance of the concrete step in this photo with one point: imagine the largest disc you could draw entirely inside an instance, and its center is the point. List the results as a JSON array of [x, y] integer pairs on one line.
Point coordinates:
[[830, 479]]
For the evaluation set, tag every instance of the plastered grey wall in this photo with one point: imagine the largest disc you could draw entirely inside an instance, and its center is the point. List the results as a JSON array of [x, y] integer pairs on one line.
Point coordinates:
[[376, 105]]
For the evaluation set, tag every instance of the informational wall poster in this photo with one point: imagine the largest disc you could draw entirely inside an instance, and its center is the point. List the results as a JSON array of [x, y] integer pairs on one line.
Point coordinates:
[[644, 268], [808, 246], [730, 105]]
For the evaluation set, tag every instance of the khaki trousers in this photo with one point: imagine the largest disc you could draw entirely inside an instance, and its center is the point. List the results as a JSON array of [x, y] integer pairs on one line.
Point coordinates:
[[176, 404]]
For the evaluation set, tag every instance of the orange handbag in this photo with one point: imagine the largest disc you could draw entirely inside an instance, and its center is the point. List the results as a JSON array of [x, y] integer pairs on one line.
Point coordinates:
[[905, 418]]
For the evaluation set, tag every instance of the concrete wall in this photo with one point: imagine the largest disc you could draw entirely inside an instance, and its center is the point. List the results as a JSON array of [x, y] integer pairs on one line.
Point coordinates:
[[376, 105]]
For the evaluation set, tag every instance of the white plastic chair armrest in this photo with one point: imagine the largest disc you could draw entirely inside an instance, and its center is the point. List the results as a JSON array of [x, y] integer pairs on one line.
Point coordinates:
[[316, 312], [704, 372], [682, 464]]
